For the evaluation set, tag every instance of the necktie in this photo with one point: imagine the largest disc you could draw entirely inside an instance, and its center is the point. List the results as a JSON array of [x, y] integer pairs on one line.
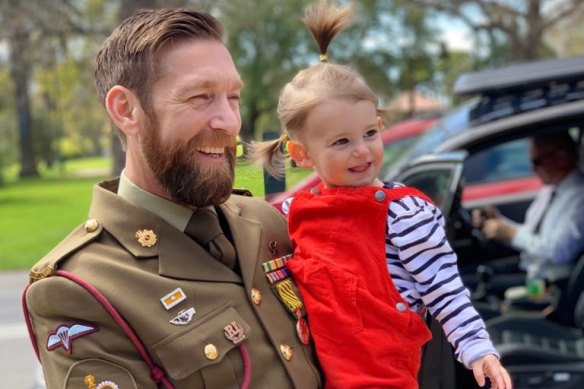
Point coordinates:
[[545, 210], [204, 228]]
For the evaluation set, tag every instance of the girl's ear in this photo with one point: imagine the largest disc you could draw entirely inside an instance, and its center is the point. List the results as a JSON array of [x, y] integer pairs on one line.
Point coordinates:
[[379, 123], [299, 154], [124, 109]]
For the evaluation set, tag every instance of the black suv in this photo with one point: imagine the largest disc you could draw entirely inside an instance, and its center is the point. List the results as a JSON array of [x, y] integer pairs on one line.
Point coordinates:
[[489, 134]]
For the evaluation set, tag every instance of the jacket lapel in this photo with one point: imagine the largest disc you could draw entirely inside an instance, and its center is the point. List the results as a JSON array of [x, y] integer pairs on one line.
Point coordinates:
[[246, 236], [178, 255]]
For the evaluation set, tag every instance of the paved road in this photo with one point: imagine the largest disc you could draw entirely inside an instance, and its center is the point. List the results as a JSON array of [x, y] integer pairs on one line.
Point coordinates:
[[19, 368]]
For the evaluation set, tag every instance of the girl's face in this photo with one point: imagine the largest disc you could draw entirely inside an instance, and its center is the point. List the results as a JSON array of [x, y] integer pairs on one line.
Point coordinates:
[[341, 140]]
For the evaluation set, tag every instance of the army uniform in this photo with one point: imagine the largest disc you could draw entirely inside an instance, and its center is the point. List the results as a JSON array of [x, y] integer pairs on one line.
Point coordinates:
[[134, 258]]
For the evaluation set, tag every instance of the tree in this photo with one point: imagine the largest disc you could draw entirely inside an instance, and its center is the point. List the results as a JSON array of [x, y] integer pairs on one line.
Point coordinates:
[[512, 31], [30, 31]]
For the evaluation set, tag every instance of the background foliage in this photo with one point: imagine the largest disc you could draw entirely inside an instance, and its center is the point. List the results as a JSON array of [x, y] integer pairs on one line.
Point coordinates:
[[50, 116]]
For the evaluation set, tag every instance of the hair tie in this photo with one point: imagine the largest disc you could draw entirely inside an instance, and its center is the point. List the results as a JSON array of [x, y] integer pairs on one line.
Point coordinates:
[[323, 58], [284, 138]]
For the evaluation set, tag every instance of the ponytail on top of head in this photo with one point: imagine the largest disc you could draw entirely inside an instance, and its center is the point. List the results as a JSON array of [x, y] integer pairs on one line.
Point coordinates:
[[312, 86]]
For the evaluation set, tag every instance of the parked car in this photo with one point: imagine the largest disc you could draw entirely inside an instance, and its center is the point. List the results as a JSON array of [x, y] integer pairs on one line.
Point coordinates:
[[396, 139], [487, 139]]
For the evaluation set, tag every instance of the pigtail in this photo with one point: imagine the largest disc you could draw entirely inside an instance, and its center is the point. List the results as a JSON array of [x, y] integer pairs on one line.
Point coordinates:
[[271, 155], [325, 21]]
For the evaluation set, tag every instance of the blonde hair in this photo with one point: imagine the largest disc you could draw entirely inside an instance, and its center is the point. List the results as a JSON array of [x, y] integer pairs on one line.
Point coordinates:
[[312, 86]]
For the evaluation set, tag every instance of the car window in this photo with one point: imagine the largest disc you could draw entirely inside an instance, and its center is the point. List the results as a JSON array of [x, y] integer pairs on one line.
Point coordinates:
[[393, 151], [454, 123], [433, 183], [502, 162]]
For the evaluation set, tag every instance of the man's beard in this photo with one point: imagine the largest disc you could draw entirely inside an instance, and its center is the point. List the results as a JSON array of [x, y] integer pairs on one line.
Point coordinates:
[[185, 179]]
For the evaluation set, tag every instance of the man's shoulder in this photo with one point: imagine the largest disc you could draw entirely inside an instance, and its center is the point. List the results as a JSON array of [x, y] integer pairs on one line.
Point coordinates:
[[77, 239]]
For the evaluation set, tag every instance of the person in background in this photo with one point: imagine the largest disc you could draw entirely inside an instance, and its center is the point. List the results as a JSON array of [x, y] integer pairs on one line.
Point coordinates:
[[164, 285], [350, 230], [552, 236]]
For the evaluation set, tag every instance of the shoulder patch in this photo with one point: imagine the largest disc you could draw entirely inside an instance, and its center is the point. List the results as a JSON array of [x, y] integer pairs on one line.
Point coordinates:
[[78, 238]]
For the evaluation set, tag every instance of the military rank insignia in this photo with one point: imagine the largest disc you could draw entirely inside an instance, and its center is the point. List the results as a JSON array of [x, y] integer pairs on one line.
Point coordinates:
[[283, 286], [91, 383]]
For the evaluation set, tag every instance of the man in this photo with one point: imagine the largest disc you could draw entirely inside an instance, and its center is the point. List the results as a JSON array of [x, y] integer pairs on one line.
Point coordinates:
[[552, 236], [129, 300]]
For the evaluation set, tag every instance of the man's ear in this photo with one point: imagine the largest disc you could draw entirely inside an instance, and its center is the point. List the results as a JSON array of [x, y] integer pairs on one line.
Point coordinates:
[[299, 154], [124, 109]]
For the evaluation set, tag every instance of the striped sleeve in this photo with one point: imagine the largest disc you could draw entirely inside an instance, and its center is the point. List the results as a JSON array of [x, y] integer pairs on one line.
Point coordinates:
[[416, 230]]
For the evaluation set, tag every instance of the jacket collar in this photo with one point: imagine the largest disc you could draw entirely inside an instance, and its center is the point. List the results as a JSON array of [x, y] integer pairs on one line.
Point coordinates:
[[178, 255]]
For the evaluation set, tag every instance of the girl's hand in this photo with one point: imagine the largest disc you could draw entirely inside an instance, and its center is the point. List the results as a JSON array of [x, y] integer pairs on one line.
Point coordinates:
[[489, 366]]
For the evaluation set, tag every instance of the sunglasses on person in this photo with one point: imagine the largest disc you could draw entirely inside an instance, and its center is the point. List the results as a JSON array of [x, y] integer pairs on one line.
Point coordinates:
[[539, 160]]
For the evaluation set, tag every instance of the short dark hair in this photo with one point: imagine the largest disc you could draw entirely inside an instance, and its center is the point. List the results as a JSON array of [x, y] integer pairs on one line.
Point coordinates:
[[561, 140]]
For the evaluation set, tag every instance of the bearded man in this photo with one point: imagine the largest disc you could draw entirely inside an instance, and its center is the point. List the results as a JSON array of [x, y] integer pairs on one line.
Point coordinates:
[[166, 285]]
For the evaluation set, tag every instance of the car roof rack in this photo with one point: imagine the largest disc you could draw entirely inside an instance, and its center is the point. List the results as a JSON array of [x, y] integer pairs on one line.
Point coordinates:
[[517, 77], [523, 87]]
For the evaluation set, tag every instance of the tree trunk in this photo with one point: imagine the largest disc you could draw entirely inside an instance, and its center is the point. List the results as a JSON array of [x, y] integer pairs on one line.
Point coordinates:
[[20, 69], [534, 39]]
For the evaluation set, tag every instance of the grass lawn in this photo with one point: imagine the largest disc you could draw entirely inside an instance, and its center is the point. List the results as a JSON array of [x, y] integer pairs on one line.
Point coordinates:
[[36, 214]]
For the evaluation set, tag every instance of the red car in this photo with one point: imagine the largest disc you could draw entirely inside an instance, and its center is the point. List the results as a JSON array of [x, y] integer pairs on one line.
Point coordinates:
[[396, 139]]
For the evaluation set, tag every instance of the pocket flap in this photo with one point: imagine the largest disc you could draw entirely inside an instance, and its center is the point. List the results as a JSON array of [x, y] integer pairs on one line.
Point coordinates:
[[184, 353]]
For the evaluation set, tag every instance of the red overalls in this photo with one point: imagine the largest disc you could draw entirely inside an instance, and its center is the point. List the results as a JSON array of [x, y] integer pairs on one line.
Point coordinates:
[[365, 334]]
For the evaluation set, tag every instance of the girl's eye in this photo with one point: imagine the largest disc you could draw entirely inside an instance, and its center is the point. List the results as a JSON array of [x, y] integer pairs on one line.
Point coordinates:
[[371, 133], [341, 142]]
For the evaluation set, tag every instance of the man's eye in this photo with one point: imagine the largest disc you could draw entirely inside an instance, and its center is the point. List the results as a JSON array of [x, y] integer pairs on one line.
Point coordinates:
[[200, 98]]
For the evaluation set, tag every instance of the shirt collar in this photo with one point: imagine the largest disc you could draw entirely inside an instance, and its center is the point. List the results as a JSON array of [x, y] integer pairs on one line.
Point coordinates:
[[174, 214], [569, 181]]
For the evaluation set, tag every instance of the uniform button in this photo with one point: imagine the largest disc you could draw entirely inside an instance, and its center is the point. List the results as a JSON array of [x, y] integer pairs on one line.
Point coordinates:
[[400, 307], [315, 191], [211, 352], [91, 225], [380, 195], [256, 296], [286, 351]]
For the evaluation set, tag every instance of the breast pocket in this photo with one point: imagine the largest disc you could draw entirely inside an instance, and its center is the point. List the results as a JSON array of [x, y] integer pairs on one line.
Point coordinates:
[[331, 297], [202, 348]]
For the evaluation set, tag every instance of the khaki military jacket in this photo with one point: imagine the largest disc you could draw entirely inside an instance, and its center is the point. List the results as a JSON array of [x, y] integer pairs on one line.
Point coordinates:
[[135, 259]]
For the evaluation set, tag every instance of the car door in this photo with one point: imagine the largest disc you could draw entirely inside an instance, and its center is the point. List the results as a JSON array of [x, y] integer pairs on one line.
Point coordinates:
[[440, 176]]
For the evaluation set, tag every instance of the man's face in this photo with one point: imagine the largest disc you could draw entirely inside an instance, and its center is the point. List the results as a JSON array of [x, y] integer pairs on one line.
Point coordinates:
[[189, 140], [544, 161]]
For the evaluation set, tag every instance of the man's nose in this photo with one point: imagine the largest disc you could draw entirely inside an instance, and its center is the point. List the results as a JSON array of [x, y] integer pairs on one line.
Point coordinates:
[[225, 117]]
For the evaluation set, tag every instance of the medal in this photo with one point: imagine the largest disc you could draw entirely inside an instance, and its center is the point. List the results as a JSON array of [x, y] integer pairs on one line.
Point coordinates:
[[302, 330]]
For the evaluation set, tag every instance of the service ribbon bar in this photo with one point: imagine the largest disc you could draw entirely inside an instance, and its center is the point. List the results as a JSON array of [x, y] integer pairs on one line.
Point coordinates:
[[278, 275], [276, 264]]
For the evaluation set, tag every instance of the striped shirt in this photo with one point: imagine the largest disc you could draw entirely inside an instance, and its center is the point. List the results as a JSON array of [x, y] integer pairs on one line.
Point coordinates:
[[423, 268]]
